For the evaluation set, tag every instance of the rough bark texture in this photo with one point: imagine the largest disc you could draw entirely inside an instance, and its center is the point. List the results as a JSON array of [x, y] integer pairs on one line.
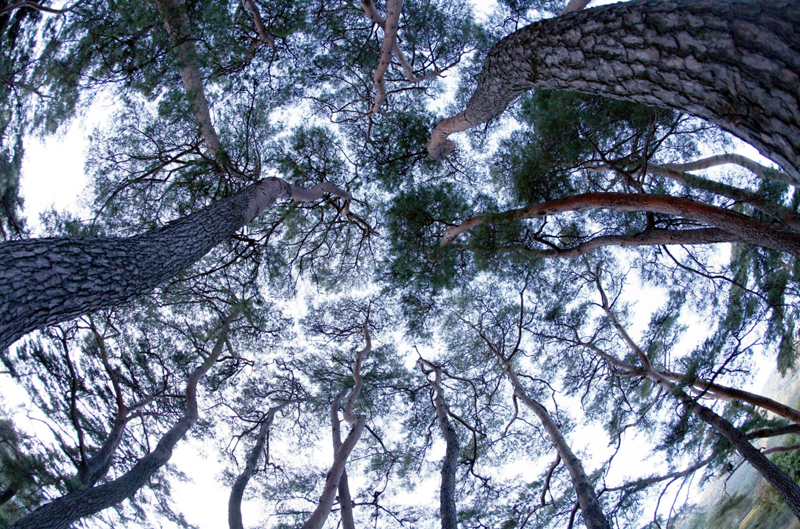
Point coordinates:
[[740, 226], [237, 490], [734, 62], [593, 515], [46, 281], [65, 511]]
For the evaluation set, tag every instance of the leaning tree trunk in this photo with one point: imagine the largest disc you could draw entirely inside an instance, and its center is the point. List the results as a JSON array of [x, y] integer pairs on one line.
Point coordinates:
[[46, 281], [593, 515], [735, 63], [239, 486], [63, 512]]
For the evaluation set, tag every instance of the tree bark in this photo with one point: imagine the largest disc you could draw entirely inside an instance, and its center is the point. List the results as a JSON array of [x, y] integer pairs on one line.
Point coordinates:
[[46, 281], [650, 237], [68, 509], [176, 22], [593, 515], [447, 493], [739, 226], [735, 63], [345, 499], [788, 489], [714, 390], [332, 481], [237, 490]]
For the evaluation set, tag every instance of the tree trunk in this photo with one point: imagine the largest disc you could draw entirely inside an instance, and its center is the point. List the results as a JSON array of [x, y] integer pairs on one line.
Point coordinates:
[[735, 63], [788, 489], [46, 281], [68, 509], [719, 391], [345, 499], [96, 467], [447, 493], [334, 477], [237, 490], [593, 515]]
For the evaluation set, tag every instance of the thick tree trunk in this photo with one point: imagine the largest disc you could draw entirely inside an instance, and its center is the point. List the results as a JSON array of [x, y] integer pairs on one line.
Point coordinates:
[[66, 510], [593, 515], [46, 281], [735, 63], [237, 490], [740, 226]]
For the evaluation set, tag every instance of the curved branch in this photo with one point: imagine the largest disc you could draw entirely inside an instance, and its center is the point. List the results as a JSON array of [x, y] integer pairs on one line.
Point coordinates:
[[746, 228], [68, 509], [767, 173], [261, 29]]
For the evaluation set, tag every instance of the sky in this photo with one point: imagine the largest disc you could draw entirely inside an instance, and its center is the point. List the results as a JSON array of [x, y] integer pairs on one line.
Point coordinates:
[[53, 176]]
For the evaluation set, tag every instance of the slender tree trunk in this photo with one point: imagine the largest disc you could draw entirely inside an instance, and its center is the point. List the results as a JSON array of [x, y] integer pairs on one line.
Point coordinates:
[[788, 489], [68, 509], [96, 467], [47, 281], [447, 493], [345, 500], [176, 22], [649, 237], [735, 63], [237, 490], [593, 515], [334, 478]]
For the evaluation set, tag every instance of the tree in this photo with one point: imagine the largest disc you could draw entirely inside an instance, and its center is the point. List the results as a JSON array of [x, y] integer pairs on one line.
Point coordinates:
[[630, 51], [219, 109]]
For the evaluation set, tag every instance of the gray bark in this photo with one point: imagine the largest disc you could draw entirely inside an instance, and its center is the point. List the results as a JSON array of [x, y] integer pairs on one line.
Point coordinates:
[[593, 515], [46, 281], [68, 509], [345, 499], [735, 63], [237, 490], [447, 493]]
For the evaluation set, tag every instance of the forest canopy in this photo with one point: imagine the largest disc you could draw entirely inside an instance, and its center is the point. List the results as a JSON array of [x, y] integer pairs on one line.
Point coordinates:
[[399, 263]]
